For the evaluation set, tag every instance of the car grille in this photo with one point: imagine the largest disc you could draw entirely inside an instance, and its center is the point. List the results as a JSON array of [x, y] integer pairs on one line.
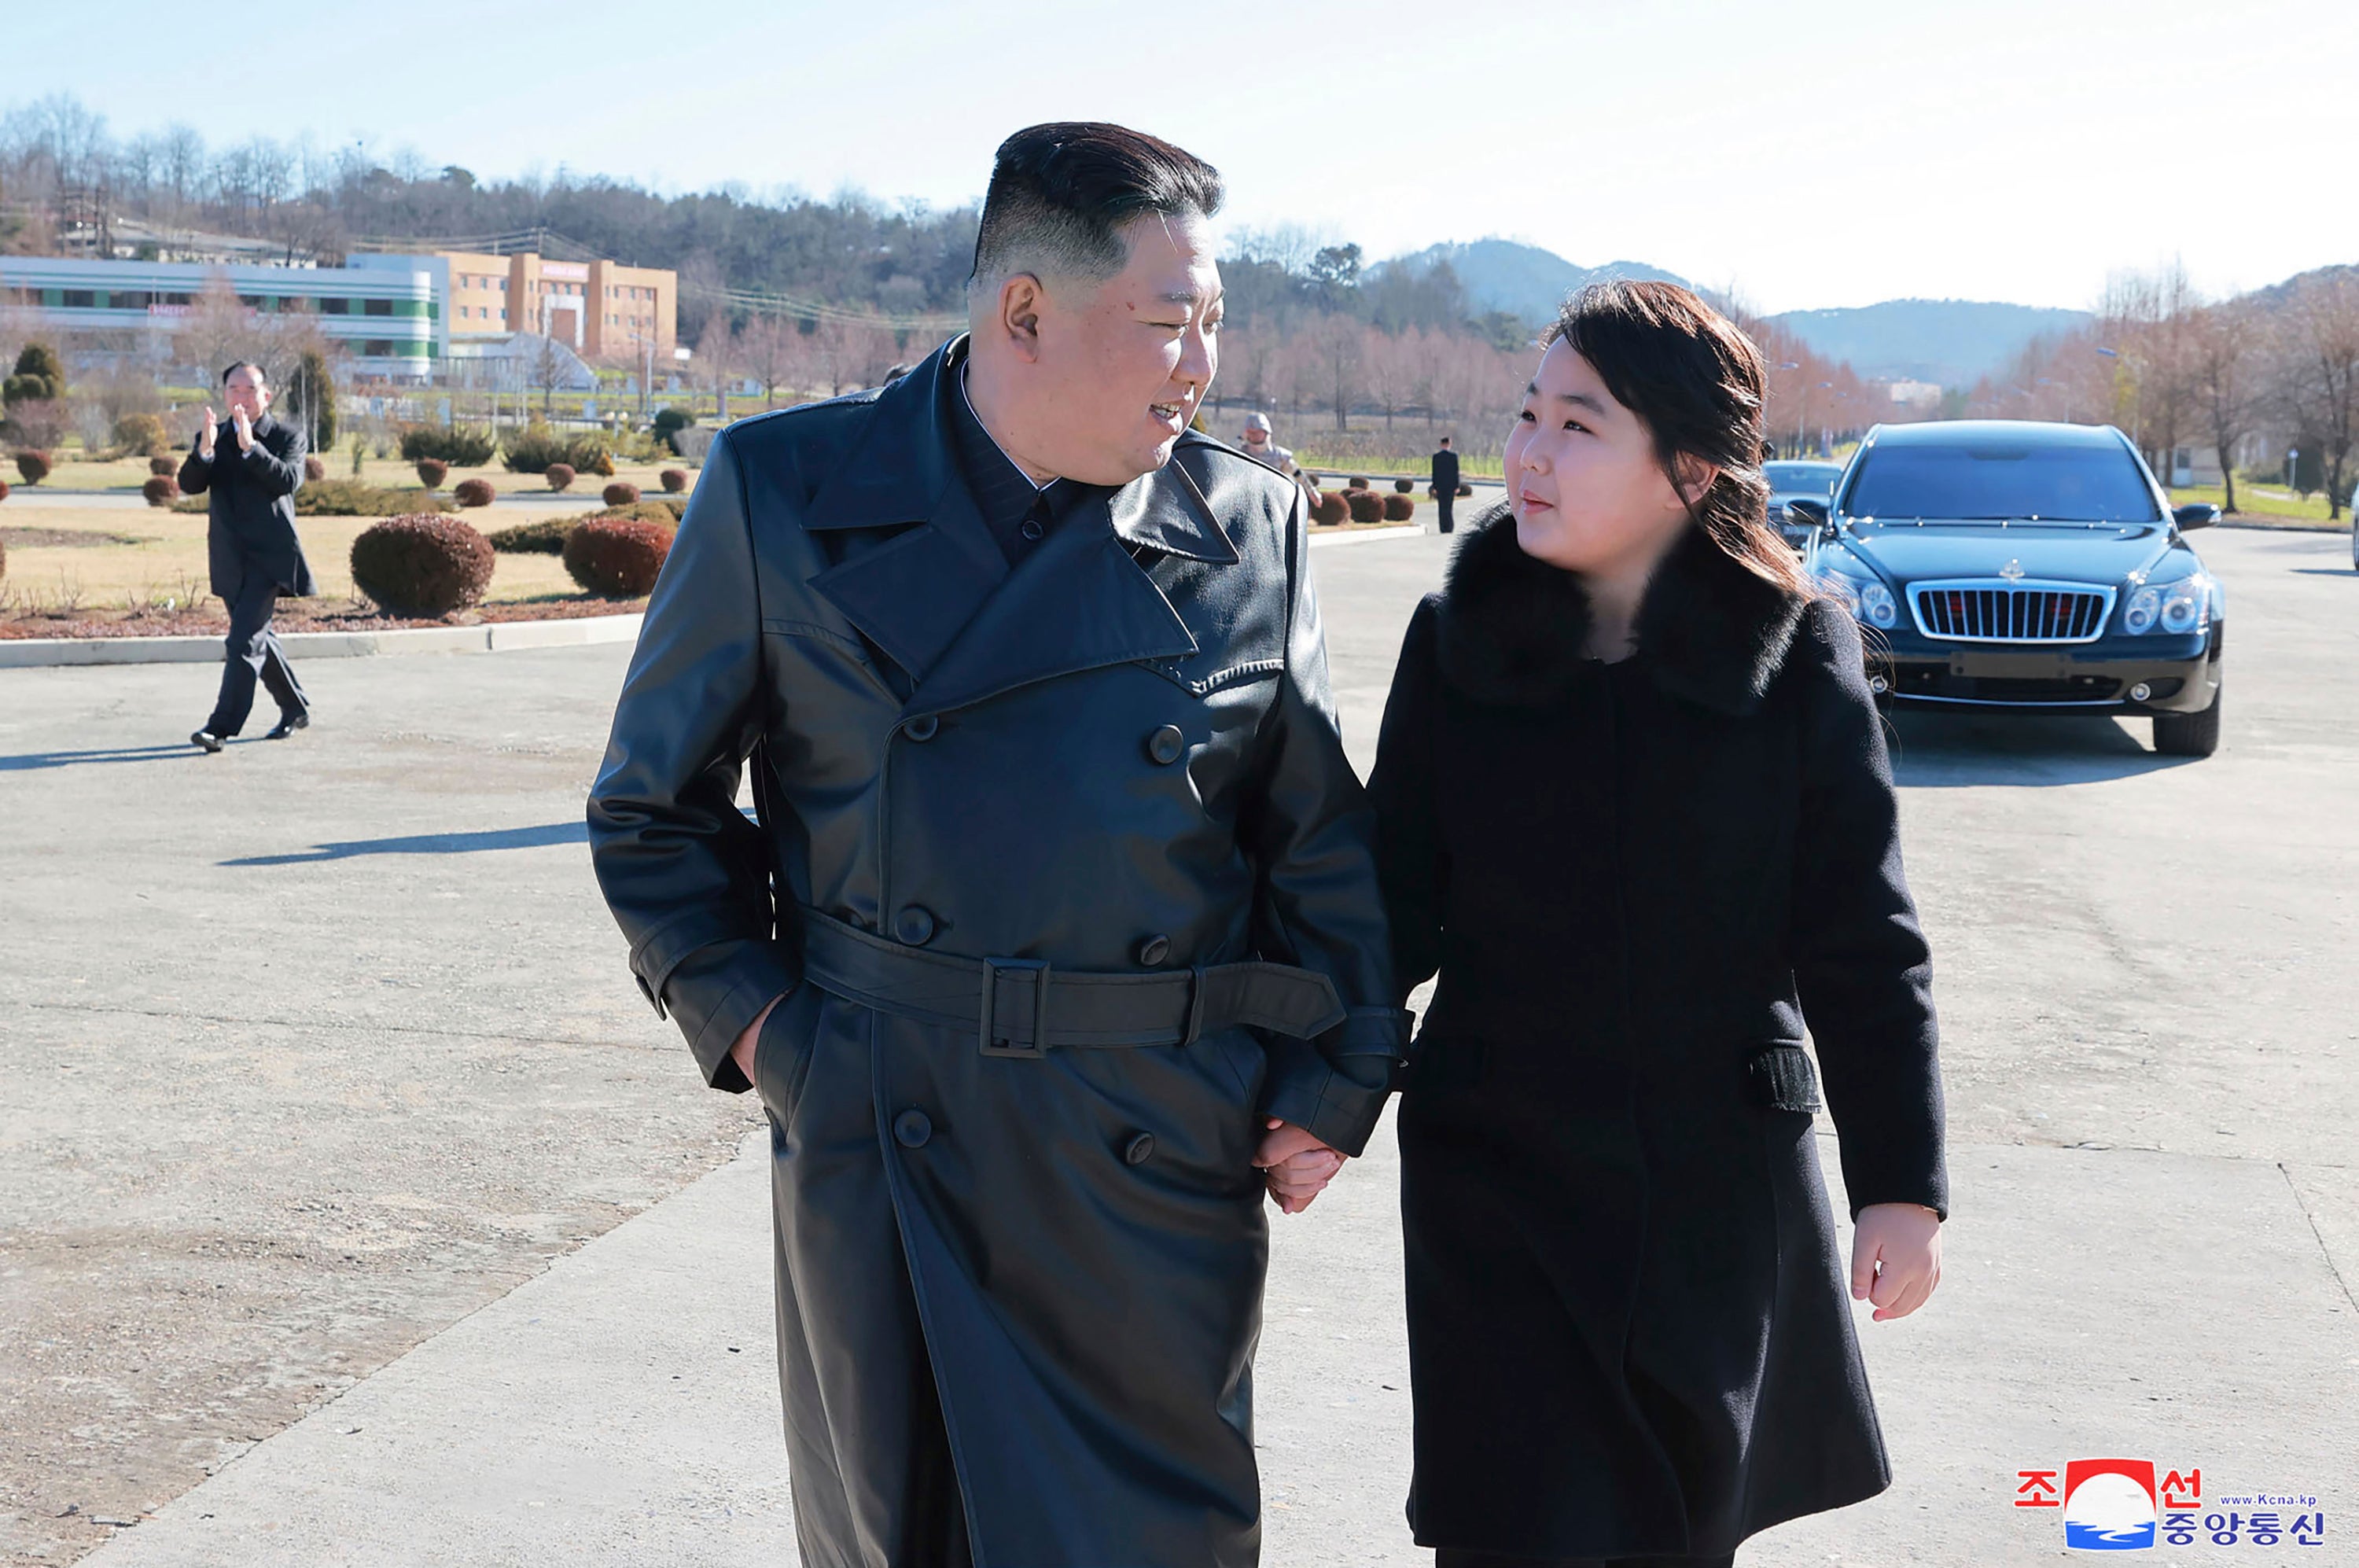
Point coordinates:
[[1931, 685], [1982, 611]]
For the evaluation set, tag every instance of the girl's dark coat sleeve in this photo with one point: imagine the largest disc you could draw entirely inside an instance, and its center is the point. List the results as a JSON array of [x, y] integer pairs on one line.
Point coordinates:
[[1412, 864], [1861, 965]]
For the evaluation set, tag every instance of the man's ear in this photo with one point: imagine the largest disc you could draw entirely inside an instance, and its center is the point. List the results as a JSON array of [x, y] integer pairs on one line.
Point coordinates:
[[1021, 299]]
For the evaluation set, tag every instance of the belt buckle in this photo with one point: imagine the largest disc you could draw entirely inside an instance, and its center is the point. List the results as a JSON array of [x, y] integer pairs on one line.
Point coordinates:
[[996, 1042]]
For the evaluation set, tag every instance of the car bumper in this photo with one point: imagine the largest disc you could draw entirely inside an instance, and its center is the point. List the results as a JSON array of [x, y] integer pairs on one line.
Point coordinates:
[[2182, 675]]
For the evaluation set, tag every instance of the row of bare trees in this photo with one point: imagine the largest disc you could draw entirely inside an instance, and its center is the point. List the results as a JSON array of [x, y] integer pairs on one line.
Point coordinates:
[[2251, 376]]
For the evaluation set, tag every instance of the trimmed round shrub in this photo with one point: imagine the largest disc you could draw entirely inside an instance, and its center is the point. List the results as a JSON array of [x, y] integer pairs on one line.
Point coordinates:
[[162, 467], [431, 472], [1464, 490], [473, 493], [422, 564], [161, 489], [1357, 482], [1332, 508], [675, 480], [314, 469], [616, 558], [559, 474], [622, 493], [1399, 509], [1365, 506], [143, 434], [4, 489], [33, 465], [1404, 486]]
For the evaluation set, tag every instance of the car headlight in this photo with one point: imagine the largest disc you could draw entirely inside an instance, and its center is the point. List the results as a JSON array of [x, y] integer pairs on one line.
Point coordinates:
[[1867, 596], [2173, 608]]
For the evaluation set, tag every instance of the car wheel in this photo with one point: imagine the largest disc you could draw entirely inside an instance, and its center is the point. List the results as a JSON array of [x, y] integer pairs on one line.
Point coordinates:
[[2190, 734]]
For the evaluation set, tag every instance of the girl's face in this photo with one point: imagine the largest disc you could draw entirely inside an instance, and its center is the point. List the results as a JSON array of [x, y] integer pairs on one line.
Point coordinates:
[[1588, 494]]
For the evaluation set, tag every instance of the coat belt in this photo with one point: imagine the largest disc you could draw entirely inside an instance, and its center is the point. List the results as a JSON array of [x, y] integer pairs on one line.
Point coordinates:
[[1021, 1007]]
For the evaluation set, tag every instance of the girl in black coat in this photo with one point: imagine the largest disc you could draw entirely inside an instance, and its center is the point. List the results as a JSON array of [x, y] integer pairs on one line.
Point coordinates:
[[1636, 810]]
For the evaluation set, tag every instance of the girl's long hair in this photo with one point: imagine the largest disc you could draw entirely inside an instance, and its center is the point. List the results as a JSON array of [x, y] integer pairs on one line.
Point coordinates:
[[1699, 384]]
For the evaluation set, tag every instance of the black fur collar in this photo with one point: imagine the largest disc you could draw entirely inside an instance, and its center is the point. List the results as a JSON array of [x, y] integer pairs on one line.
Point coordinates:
[[1512, 628]]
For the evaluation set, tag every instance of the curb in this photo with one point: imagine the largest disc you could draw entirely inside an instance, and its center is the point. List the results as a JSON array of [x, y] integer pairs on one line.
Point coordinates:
[[29, 653], [1357, 535]]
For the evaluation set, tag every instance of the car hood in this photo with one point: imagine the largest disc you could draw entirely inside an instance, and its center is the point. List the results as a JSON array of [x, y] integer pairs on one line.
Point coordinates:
[[2103, 553]]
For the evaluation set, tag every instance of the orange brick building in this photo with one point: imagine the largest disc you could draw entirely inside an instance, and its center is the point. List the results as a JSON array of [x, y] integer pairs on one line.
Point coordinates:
[[602, 310]]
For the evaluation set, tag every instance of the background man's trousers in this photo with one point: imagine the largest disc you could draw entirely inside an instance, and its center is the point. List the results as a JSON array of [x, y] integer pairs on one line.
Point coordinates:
[[253, 654], [1445, 498]]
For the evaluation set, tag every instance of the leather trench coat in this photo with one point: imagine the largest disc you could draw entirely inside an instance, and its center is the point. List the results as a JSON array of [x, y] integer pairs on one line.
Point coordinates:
[[1119, 757]]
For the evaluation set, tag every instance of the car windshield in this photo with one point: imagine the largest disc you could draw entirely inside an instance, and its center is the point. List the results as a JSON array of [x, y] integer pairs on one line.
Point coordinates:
[[1787, 477], [2000, 480]]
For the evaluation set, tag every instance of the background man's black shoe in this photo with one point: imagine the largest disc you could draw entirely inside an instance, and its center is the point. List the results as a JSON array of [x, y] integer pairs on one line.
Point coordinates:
[[205, 740], [288, 725]]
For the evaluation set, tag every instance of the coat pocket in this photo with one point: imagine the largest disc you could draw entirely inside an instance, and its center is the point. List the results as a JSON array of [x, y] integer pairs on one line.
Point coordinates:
[[1780, 1077], [782, 1051]]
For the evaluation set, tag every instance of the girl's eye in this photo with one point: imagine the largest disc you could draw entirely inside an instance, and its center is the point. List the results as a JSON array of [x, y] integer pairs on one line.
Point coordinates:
[[1527, 418], [1576, 425]]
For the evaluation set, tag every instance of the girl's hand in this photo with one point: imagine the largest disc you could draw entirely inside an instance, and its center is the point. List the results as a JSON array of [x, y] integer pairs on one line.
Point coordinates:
[[1895, 1257], [1295, 1164]]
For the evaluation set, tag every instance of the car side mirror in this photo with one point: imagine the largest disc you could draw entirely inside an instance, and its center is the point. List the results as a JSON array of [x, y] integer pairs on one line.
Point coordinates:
[[1811, 512], [2201, 514]]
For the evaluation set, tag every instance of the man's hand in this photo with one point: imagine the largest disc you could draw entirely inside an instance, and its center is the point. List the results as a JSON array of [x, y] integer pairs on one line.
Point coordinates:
[[205, 436], [741, 1050], [243, 422], [1297, 1166], [1895, 1257]]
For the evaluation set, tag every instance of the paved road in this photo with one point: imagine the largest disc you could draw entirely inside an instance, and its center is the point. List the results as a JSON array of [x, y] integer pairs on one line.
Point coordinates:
[[316, 1051]]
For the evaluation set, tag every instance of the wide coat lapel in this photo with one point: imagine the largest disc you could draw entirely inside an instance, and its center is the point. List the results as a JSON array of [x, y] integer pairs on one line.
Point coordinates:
[[1083, 601], [911, 594]]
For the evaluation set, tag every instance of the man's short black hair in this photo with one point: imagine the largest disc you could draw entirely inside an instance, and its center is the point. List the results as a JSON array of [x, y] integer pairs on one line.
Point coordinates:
[[259, 379], [1445, 441], [1061, 193]]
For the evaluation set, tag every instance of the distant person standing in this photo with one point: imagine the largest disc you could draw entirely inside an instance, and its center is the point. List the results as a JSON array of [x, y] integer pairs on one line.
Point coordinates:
[[1263, 448], [253, 552], [1445, 482]]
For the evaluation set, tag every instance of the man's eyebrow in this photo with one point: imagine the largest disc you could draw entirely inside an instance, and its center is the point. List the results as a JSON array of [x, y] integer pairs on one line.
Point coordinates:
[[1189, 297]]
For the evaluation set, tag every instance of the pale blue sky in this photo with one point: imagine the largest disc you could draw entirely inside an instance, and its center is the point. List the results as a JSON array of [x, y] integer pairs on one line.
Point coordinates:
[[1813, 153]]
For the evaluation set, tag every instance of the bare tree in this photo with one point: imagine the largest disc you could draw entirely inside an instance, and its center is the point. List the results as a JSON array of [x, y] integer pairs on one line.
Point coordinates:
[[771, 348], [2220, 361], [1338, 348], [2317, 373]]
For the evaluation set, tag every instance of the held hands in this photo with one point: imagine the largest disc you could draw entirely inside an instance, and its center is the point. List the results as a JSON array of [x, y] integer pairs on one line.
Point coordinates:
[[1297, 1166], [1895, 1257]]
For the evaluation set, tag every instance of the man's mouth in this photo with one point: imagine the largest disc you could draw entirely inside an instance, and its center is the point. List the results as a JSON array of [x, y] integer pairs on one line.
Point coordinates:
[[1170, 413]]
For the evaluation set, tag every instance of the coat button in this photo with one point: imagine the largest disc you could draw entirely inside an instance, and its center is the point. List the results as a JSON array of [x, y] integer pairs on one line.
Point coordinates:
[[915, 925], [1154, 951], [922, 728], [1140, 1149], [1167, 745], [1031, 528], [913, 1128]]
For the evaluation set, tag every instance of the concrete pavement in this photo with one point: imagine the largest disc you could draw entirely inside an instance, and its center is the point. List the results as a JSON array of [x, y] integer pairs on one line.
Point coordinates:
[[2149, 1006]]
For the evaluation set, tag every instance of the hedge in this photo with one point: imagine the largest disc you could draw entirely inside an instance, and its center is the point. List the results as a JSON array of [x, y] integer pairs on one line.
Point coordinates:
[[1399, 509], [161, 489], [1331, 509], [422, 564], [475, 493], [616, 558], [1365, 506], [33, 464], [457, 446]]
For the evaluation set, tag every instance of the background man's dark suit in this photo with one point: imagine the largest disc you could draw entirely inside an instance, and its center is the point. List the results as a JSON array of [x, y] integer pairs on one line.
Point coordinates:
[[255, 557], [1445, 484]]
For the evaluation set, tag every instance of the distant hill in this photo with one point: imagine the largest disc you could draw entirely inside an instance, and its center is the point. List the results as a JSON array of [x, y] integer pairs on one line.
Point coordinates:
[[1524, 280], [1954, 342]]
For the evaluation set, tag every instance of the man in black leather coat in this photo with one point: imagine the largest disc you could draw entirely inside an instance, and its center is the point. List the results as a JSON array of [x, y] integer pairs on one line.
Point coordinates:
[[251, 549], [1059, 918]]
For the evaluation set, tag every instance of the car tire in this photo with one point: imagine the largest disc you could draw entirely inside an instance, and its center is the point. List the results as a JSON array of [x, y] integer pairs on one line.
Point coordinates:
[[2190, 734]]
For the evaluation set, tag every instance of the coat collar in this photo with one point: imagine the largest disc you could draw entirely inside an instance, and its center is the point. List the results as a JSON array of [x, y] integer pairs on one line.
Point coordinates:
[[937, 597], [1512, 628]]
